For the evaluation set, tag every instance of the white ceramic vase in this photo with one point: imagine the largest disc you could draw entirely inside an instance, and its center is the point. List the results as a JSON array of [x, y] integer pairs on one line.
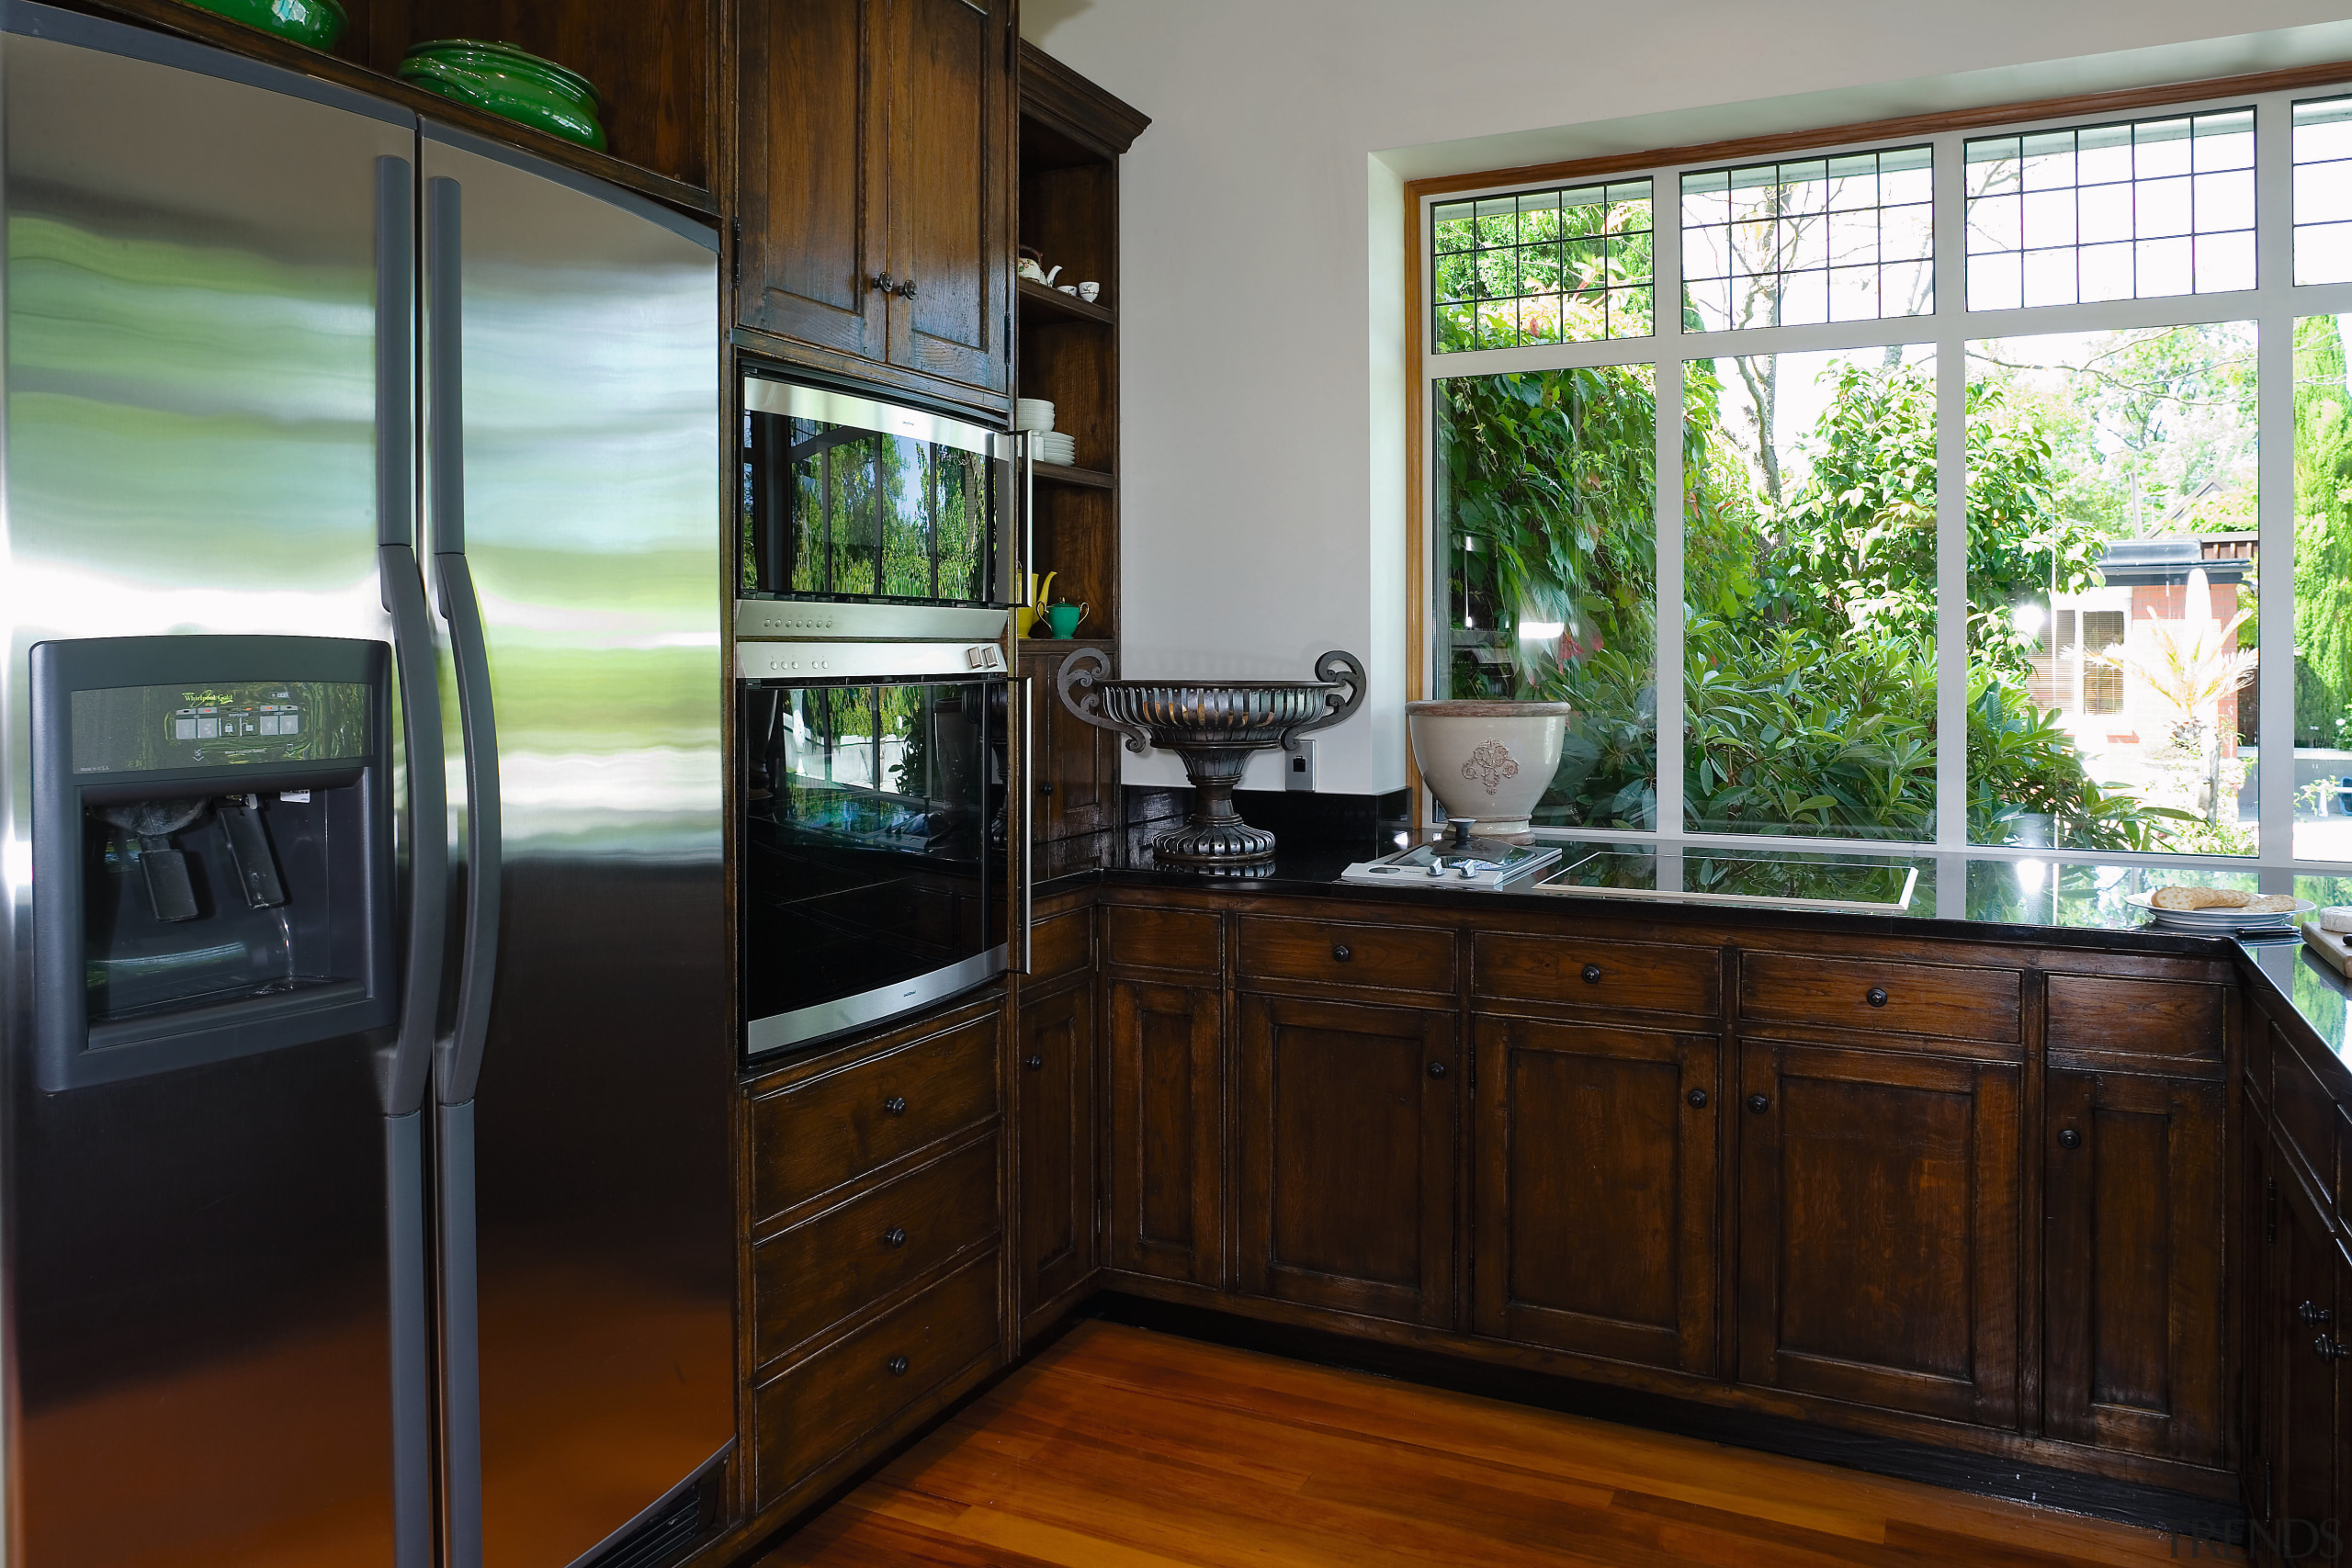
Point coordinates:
[[1488, 760]]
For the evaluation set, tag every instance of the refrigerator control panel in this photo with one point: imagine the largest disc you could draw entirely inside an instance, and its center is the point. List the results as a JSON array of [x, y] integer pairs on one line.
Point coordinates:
[[226, 723]]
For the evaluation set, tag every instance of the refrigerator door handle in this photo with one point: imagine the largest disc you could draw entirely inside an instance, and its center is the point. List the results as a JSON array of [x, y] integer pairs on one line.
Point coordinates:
[[405, 1068], [457, 1057], [459, 1063]]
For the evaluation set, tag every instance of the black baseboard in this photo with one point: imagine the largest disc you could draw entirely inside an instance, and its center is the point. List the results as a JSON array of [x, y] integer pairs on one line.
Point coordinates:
[[2151, 1508]]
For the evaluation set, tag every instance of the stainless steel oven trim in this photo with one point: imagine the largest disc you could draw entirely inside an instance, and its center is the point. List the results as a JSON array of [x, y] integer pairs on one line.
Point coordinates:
[[878, 623], [813, 663], [792, 401], [780, 1030]]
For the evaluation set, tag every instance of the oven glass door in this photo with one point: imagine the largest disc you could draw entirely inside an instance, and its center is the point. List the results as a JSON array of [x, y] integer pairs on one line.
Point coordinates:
[[849, 499], [873, 852]]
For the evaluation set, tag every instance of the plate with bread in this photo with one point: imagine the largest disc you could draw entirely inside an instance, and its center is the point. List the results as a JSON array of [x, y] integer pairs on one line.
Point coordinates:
[[2220, 910]]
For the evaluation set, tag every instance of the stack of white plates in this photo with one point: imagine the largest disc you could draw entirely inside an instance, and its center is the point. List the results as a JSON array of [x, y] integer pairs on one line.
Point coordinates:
[[2221, 922], [1031, 413], [1053, 447]]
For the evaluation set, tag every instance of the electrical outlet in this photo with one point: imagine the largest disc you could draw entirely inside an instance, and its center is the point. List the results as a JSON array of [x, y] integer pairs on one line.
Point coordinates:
[[1298, 767]]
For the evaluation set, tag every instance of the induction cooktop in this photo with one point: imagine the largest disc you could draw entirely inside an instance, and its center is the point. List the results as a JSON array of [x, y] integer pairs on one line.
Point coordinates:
[[1849, 883]]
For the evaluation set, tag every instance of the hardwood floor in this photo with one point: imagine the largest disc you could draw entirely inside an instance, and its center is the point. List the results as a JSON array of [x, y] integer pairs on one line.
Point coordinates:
[[1122, 1449]]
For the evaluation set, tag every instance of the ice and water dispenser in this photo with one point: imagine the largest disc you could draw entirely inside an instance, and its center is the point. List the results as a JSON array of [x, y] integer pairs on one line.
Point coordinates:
[[213, 864]]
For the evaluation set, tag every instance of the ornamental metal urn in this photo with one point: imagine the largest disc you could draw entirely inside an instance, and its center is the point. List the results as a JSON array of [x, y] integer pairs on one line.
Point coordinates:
[[1214, 727]]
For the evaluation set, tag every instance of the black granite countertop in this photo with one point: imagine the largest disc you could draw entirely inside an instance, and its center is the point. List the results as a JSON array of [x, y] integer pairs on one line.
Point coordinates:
[[2064, 900]]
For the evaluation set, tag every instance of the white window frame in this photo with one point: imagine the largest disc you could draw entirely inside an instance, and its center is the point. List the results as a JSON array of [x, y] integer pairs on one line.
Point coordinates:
[[2273, 304]]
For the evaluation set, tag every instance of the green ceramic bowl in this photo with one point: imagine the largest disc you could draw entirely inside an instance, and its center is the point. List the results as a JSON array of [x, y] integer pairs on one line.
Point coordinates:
[[315, 22], [501, 79]]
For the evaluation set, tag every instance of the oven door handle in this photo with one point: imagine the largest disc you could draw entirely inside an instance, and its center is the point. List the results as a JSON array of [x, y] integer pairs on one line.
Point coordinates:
[[1025, 907]]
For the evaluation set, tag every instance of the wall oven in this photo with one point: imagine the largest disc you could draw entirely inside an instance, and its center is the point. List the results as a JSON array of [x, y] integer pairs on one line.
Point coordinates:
[[863, 519], [871, 858]]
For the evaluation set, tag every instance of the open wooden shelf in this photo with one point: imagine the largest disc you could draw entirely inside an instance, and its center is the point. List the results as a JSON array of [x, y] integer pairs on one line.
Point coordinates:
[[1061, 474], [652, 62], [1039, 302]]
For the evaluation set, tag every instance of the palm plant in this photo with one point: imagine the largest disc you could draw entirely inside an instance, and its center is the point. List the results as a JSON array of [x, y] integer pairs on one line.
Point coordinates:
[[2189, 665]]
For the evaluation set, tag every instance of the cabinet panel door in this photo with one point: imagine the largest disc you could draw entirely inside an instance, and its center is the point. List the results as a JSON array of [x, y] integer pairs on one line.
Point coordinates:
[[1596, 1190], [1878, 1243], [2307, 1309], [1078, 764], [2133, 1353], [1347, 1115], [811, 138], [1166, 1183], [951, 190], [1057, 1149]]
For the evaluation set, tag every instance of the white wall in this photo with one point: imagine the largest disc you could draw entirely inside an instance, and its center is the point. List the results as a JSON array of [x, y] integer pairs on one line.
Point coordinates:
[[1262, 327]]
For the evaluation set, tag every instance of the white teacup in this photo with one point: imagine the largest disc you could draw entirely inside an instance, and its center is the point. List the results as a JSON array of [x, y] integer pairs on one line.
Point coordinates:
[[1068, 288], [1087, 291]]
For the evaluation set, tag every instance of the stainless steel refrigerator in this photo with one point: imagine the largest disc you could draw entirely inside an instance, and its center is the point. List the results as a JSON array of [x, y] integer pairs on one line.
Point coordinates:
[[366, 1016]]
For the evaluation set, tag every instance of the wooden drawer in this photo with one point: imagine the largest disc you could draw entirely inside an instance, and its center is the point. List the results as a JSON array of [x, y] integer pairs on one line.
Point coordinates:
[[2304, 1113], [1577, 972], [822, 1271], [848, 1392], [812, 1136], [1060, 945], [1164, 938], [2117, 1020], [1398, 958], [1938, 999]]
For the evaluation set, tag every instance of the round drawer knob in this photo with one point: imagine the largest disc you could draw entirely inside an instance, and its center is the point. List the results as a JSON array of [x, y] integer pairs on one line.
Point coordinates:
[[895, 1105], [1437, 1069], [1876, 995], [897, 1365], [895, 1237], [1341, 952], [1758, 1103], [2313, 1314], [2331, 1349], [2069, 1139], [1592, 974], [1035, 1064], [1698, 1099]]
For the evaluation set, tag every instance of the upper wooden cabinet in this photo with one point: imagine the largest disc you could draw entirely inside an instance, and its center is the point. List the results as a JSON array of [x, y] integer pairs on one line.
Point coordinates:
[[875, 188]]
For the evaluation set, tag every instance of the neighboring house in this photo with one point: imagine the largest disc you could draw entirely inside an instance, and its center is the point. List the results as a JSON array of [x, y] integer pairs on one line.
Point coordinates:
[[2146, 581]]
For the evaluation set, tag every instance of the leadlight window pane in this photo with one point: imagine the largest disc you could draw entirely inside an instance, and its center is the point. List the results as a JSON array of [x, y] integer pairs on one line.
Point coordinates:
[[2323, 191], [1842, 239], [1570, 265], [2132, 210]]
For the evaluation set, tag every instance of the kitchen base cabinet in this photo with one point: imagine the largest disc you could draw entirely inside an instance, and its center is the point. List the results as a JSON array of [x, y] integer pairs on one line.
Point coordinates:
[[1166, 1187], [2304, 1445], [1596, 1191], [1053, 1086], [1878, 1228], [1346, 1146], [2133, 1323]]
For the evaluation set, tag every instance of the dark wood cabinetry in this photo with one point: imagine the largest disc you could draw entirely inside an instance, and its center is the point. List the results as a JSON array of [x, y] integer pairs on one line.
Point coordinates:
[[874, 174], [1054, 1104], [1596, 1229], [1347, 1148], [1166, 1169], [2133, 1193], [2302, 1444], [1878, 1228]]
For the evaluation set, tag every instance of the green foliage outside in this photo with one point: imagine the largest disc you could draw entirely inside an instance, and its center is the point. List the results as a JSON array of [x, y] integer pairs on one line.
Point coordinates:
[[1809, 673], [2323, 536]]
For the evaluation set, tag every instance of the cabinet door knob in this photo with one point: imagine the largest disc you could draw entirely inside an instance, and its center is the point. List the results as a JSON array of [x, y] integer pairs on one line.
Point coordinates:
[[1592, 974], [1035, 1064], [1046, 788], [1437, 1069], [895, 1237], [1341, 952], [2313, 1314], [2328, 1349], [885, 283], [1698, 1099], [1876, 995], [907, 289], [895, 1105], [1759, 1103], [897, 1365], [2070, 1139]]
